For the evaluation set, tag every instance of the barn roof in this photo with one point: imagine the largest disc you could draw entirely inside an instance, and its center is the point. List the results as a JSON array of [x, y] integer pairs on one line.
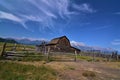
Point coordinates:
[[55, 40]]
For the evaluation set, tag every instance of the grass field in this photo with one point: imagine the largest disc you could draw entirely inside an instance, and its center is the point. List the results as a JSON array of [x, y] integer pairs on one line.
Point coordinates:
[[40, 70], [15, 71]]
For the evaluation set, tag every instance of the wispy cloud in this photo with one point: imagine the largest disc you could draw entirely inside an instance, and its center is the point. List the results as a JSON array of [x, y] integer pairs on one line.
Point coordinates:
[[84, 8], [102, 27], [116, 42], [117, 13], [95, 28], [45, 12], [9, 16]]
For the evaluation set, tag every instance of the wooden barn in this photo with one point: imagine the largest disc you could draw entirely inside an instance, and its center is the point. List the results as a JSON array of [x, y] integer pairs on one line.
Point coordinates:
[[60, 44]]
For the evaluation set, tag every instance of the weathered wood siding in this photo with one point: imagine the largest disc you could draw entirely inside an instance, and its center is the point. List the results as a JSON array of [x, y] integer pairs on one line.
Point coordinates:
[[63, 42]]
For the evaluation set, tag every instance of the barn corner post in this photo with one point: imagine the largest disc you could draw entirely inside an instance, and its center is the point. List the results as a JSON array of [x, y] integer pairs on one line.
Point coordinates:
[[3, 49], [75, 56]]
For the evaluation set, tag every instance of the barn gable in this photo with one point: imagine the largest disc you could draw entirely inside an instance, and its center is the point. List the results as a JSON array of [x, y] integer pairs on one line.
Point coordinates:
[[61, 41]]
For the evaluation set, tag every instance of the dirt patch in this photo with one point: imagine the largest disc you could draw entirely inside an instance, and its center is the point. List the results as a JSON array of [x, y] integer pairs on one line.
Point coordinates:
[[75, 70]]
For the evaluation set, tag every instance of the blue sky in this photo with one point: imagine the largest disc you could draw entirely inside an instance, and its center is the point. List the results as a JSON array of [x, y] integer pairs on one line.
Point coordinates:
[[88, 22]]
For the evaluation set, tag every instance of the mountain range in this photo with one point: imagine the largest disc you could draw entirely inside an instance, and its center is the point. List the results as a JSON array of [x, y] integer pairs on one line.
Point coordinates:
[[86, 48], [29, 42], [73, 43], [9, 40]]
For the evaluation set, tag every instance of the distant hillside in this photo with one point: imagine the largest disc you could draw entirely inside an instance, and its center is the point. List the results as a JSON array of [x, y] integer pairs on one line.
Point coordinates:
[[8, 40]]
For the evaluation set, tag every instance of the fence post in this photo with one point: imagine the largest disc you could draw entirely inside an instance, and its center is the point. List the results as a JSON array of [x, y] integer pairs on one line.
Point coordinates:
[[48, 54], [23, 47], [3, 49], [93, 56], [14, 47], [75, 56]]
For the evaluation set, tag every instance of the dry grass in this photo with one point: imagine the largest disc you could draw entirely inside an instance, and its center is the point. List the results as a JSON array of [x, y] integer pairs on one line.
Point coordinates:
[[114, 65]]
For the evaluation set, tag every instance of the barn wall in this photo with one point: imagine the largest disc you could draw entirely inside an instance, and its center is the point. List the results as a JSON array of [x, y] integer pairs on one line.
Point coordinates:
[[63, 42]]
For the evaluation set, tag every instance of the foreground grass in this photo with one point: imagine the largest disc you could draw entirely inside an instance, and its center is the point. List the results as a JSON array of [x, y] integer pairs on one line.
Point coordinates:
[[16, 71]]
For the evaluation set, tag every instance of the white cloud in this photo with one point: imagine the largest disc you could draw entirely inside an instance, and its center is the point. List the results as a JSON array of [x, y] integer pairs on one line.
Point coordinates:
[[116, 42], [42, 8], [9, 16], [84, 8], [32, 18], [117, 13], [45, 12]]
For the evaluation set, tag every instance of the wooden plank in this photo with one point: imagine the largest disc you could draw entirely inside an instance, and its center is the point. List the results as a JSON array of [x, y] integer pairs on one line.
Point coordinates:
[[3, 49]]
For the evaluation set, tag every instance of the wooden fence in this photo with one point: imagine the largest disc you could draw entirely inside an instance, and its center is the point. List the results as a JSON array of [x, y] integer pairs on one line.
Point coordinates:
[[18, 51], [15, 50]]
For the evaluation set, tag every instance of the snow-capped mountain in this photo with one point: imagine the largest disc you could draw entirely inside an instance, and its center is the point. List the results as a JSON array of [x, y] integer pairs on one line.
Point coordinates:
[[84, 47], [30, 42]]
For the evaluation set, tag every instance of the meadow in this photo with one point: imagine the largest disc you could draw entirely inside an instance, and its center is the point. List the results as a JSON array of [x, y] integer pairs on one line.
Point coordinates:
[[34, 66]]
